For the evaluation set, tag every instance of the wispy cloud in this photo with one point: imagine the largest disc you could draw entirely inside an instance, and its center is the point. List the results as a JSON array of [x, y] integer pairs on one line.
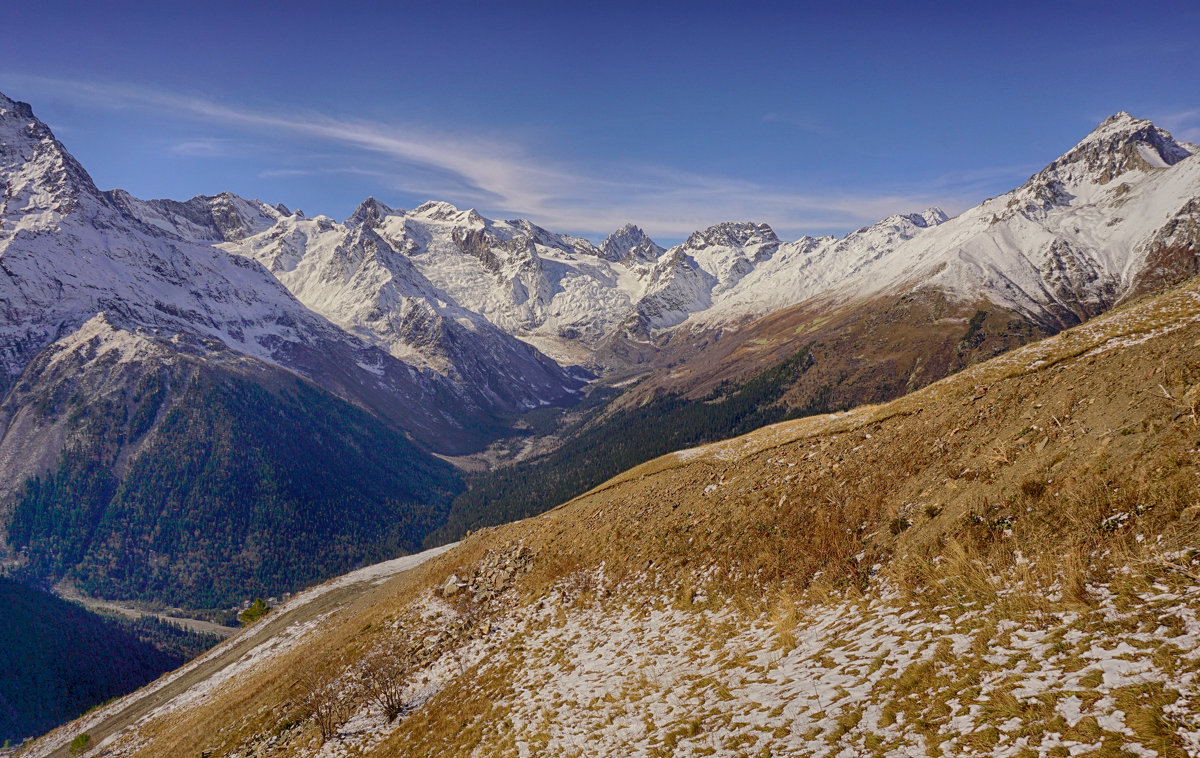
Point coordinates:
[[504, 177], [206, 147], [1184, 125], [803, 123], [324, 171]]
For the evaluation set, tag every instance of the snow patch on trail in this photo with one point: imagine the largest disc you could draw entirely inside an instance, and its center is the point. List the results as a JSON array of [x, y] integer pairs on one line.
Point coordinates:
[[375, 574]]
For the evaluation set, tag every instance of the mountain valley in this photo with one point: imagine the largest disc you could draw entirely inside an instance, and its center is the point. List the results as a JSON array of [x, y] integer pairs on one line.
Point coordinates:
[[212, 400]]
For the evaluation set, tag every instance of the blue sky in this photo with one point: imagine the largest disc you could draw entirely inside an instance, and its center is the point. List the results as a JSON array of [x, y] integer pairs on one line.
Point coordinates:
[[816, 118]]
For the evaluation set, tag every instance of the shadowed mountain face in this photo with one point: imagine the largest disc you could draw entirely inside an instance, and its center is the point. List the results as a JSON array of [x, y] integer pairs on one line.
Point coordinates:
[[200, 480], [60, 660], [176, 426]]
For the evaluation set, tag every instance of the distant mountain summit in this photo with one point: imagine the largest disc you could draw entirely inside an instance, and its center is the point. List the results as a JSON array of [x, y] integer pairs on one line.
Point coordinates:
[[630, 243], [69, 252], [1119, 144], [372, 286]]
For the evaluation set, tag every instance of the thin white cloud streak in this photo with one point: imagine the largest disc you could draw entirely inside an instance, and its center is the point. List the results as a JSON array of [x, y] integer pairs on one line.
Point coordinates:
[[503, 178], [799, 122], [283, 173], [205, 147], [1183, 125], [488, 167]]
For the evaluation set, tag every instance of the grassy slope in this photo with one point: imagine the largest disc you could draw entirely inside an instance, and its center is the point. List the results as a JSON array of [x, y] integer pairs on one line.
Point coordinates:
[[1001, 562], [797, 362]]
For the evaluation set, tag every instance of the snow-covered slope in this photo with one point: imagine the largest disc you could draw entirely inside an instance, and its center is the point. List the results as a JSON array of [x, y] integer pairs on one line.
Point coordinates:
[[810, 265], [557, 292], [69, 252], [1068, 243], [1063, 247], [448, 288], [354, 276], [630, 244], [215, 218], [522, 278]]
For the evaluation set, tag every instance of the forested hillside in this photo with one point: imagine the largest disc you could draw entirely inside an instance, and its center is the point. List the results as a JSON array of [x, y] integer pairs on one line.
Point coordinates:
[[59, 659], [812, 361], [228, 489]]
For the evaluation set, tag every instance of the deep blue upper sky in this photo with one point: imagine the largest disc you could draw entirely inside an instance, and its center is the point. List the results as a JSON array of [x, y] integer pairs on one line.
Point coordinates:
[[815, 118]]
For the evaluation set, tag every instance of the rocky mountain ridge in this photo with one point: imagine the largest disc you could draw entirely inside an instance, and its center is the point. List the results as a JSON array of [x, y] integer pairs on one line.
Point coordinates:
[[69, 252]]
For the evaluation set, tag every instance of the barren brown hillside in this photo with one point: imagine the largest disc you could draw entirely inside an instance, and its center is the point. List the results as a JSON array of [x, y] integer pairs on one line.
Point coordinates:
[[865, 351]]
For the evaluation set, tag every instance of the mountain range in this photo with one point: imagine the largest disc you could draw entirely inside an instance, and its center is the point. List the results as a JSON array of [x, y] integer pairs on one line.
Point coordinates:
[[1035, 250], [185, 382]]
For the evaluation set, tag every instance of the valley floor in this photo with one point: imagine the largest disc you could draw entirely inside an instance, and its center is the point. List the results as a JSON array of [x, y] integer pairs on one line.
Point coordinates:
[[129, 611]]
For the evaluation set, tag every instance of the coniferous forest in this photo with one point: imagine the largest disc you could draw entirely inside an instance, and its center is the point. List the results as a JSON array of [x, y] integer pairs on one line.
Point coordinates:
[[238, 490], [610, 444], [60, 660]]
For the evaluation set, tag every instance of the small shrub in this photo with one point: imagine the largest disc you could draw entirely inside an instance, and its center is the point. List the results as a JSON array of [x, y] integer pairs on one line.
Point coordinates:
[[257, 610], [324, 700], [384, 673], [1034, 488], [80, 743], [899, 525]]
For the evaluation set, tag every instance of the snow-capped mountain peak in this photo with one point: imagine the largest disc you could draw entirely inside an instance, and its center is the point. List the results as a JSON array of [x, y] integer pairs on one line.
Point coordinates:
[[224, 217], [436, 210], [1067, 244], [734, 235], [630, 243], [39, 180], [730, 250], [929, 217], [369, 211], [1121, 143]]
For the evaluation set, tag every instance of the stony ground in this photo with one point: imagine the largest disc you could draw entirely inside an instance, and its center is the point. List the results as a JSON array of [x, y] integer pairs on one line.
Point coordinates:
[[1006, 673]]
